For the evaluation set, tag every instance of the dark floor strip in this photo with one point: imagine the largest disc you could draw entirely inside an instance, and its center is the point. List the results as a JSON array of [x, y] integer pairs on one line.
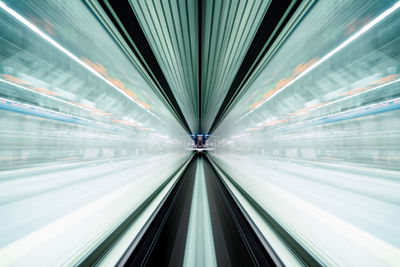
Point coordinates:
[[236, 243], [307, 258], [163, 243], [114, 236]]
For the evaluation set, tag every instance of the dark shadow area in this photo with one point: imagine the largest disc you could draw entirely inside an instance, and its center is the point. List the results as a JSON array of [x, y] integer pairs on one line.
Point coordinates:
[[163, 244], [236, 243]]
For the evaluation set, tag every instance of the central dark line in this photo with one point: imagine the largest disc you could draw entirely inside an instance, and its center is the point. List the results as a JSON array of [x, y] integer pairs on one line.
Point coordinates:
[[200, 14]]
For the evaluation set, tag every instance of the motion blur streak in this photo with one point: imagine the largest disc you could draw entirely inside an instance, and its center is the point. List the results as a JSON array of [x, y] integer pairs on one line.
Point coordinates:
[[77, 157], [321, 154], [293, 157], [61, 48], [337, 49]]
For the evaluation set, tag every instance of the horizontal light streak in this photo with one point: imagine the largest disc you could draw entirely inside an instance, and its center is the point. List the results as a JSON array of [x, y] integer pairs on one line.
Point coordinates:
[[331, 53], [42, 94], [66, 52]]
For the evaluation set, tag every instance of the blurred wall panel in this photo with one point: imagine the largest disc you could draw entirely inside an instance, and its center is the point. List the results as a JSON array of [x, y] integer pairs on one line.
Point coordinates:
[[315, 139], [64, 98], [84, 139]]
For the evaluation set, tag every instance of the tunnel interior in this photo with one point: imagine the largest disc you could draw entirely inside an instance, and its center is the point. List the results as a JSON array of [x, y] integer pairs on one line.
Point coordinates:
[[200, 133]]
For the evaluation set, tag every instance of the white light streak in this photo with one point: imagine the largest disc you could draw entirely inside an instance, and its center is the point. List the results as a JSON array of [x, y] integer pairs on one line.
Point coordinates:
[[333, 52], [68, 53], [39, 93], [44, 109], [351, 96]]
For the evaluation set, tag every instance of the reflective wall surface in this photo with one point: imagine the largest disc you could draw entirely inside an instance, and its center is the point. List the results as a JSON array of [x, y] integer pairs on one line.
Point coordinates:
[[312, 140], [315, 139], [84, 138], [330, 93], [59, 89]]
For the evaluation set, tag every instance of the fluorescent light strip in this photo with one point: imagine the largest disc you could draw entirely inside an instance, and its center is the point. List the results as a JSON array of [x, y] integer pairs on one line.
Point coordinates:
[[48, 96], [334, 51], [345, 98], [339, 113], [44, 109], [356, 109], [65, 51], [59, 113]]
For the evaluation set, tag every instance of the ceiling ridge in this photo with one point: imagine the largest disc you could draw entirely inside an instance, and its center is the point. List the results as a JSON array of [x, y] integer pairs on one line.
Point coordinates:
[[124, 20]]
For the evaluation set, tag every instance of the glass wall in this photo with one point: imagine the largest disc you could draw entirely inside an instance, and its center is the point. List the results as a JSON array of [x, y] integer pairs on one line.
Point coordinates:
[[315, 138], [84, 138]]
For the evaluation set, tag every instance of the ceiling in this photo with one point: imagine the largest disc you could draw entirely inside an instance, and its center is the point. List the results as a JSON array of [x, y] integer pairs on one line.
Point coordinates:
[[199, 56]]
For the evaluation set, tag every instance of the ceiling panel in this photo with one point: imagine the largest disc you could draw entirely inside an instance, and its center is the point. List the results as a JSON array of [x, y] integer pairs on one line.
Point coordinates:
[[171, 28]]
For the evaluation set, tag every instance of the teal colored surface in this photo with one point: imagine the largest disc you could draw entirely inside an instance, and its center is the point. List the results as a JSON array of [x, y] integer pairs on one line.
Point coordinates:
[[200, 250]]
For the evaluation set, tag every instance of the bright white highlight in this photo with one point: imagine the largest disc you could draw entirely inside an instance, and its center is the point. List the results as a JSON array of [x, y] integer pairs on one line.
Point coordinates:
[[333, 52], [66, 52]]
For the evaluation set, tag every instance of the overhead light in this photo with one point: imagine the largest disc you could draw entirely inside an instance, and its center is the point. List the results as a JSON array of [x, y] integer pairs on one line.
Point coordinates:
[[363, 30], [67, 52]]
